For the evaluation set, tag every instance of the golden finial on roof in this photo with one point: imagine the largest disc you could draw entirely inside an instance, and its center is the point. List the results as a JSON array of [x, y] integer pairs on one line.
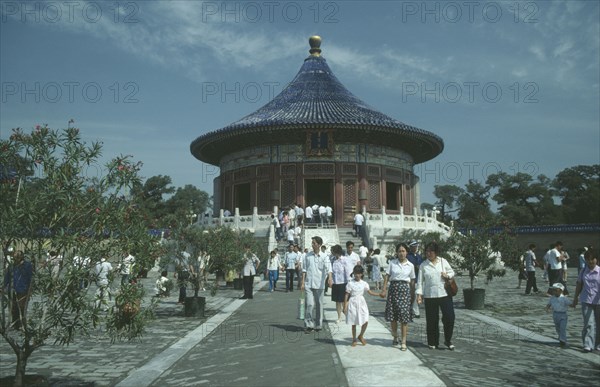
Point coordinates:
[[315, 45]]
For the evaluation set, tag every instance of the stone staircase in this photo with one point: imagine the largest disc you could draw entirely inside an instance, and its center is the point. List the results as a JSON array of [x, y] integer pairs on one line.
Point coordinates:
[[347, 234]]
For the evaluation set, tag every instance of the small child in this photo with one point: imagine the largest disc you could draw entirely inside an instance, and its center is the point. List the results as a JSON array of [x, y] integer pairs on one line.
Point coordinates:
[[559, 304], [162, 285], [355, 305]]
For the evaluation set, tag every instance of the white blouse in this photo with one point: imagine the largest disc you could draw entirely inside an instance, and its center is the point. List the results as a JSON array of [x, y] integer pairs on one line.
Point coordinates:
[[430, 283], [274, 262], [398, 271], [250, 260], [339, 270]]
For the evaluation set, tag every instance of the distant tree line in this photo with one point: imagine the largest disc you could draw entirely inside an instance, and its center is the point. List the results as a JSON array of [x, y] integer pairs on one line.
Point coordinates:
[[572, 197], [165, 206]]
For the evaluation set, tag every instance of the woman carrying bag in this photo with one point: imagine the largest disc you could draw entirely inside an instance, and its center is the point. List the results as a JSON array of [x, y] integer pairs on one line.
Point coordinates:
[[433, 273]]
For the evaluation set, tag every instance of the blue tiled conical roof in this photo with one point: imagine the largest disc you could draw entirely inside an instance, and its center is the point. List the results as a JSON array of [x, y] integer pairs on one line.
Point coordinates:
[[315, 98]]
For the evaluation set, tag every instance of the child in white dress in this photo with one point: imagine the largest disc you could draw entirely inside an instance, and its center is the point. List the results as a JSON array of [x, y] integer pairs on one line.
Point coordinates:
[[355, 305]]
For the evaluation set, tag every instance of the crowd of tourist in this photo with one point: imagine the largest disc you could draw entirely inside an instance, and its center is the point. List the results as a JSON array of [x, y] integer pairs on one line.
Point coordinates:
[[410, 281], [407, 282]]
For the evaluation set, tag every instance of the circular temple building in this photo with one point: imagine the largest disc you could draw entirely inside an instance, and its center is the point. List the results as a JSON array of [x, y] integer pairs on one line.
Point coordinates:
[[317, 143]]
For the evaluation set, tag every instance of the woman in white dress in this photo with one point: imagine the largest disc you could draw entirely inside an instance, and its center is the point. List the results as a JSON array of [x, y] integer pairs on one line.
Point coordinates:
[[376, 271], [355, 305]]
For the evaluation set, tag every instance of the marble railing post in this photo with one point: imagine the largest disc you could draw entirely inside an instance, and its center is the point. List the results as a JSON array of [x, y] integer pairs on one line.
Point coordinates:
[[236, 218], [401, 217], [255, 218]]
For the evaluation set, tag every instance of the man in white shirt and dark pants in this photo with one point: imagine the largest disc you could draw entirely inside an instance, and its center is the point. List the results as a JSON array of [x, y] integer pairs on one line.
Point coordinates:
[[315, 270], [358, 224], [555, 259]]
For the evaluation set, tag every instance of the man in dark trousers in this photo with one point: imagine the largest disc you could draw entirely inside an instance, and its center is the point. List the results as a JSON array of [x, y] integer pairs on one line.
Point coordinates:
[[17, 283]]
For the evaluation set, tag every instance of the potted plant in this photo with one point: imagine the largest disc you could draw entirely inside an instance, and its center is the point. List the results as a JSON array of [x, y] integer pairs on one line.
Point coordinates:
[[127, 315], [479, 249], [224, 246], [194, 306], [182, 249]]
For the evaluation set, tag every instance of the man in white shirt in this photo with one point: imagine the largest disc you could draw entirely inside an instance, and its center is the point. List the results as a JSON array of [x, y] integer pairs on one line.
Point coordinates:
[[290, 236], [315, 270], [362, 253], [351, 259], [530, 263], [290, 261], [126, 267], [299, 214], [103, 269], [292, 217], [555, 259], [329, 212], [322, 215], [359, 220], [308, 213]]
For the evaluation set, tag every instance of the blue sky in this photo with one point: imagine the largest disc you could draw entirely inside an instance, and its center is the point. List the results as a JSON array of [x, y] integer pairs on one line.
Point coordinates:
[[509, 85]]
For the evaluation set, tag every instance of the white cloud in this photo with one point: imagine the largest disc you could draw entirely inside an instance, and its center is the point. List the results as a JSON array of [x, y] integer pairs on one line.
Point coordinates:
[[538, 51]]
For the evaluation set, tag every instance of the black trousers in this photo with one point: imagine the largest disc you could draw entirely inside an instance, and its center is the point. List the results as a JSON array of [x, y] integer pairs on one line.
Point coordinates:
[[19, 309], [432, 315], [248, 282], [556, 276], [531, 282], [289, 279]]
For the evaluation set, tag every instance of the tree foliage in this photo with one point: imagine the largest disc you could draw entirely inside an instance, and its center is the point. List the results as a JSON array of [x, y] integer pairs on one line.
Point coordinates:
[[525, 200], [483, 247], [49, 204], [165, 206], [447, 196], [186, 204], [150, 196], [579, 189], [474, 204]]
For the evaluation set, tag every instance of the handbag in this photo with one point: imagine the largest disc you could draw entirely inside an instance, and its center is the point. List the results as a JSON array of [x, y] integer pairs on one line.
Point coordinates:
[[301, 306], [449, 284]]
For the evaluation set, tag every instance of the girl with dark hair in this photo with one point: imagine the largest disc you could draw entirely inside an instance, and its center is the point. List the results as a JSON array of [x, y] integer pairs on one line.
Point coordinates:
[[355, 305], [430, 289], [401, 277]]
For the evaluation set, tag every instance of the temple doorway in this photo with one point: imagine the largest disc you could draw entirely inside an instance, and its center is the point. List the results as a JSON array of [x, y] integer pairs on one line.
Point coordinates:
[[393, 193], [241, 198], [319, 191]]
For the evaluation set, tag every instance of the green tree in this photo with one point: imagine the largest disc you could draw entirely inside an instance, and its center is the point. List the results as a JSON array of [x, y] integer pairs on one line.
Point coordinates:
[[479, 247], [150, 196], [225, 246], [474, 203], [187, 202], [523, 200], [579, 190], [58, 208], [447, 200]]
